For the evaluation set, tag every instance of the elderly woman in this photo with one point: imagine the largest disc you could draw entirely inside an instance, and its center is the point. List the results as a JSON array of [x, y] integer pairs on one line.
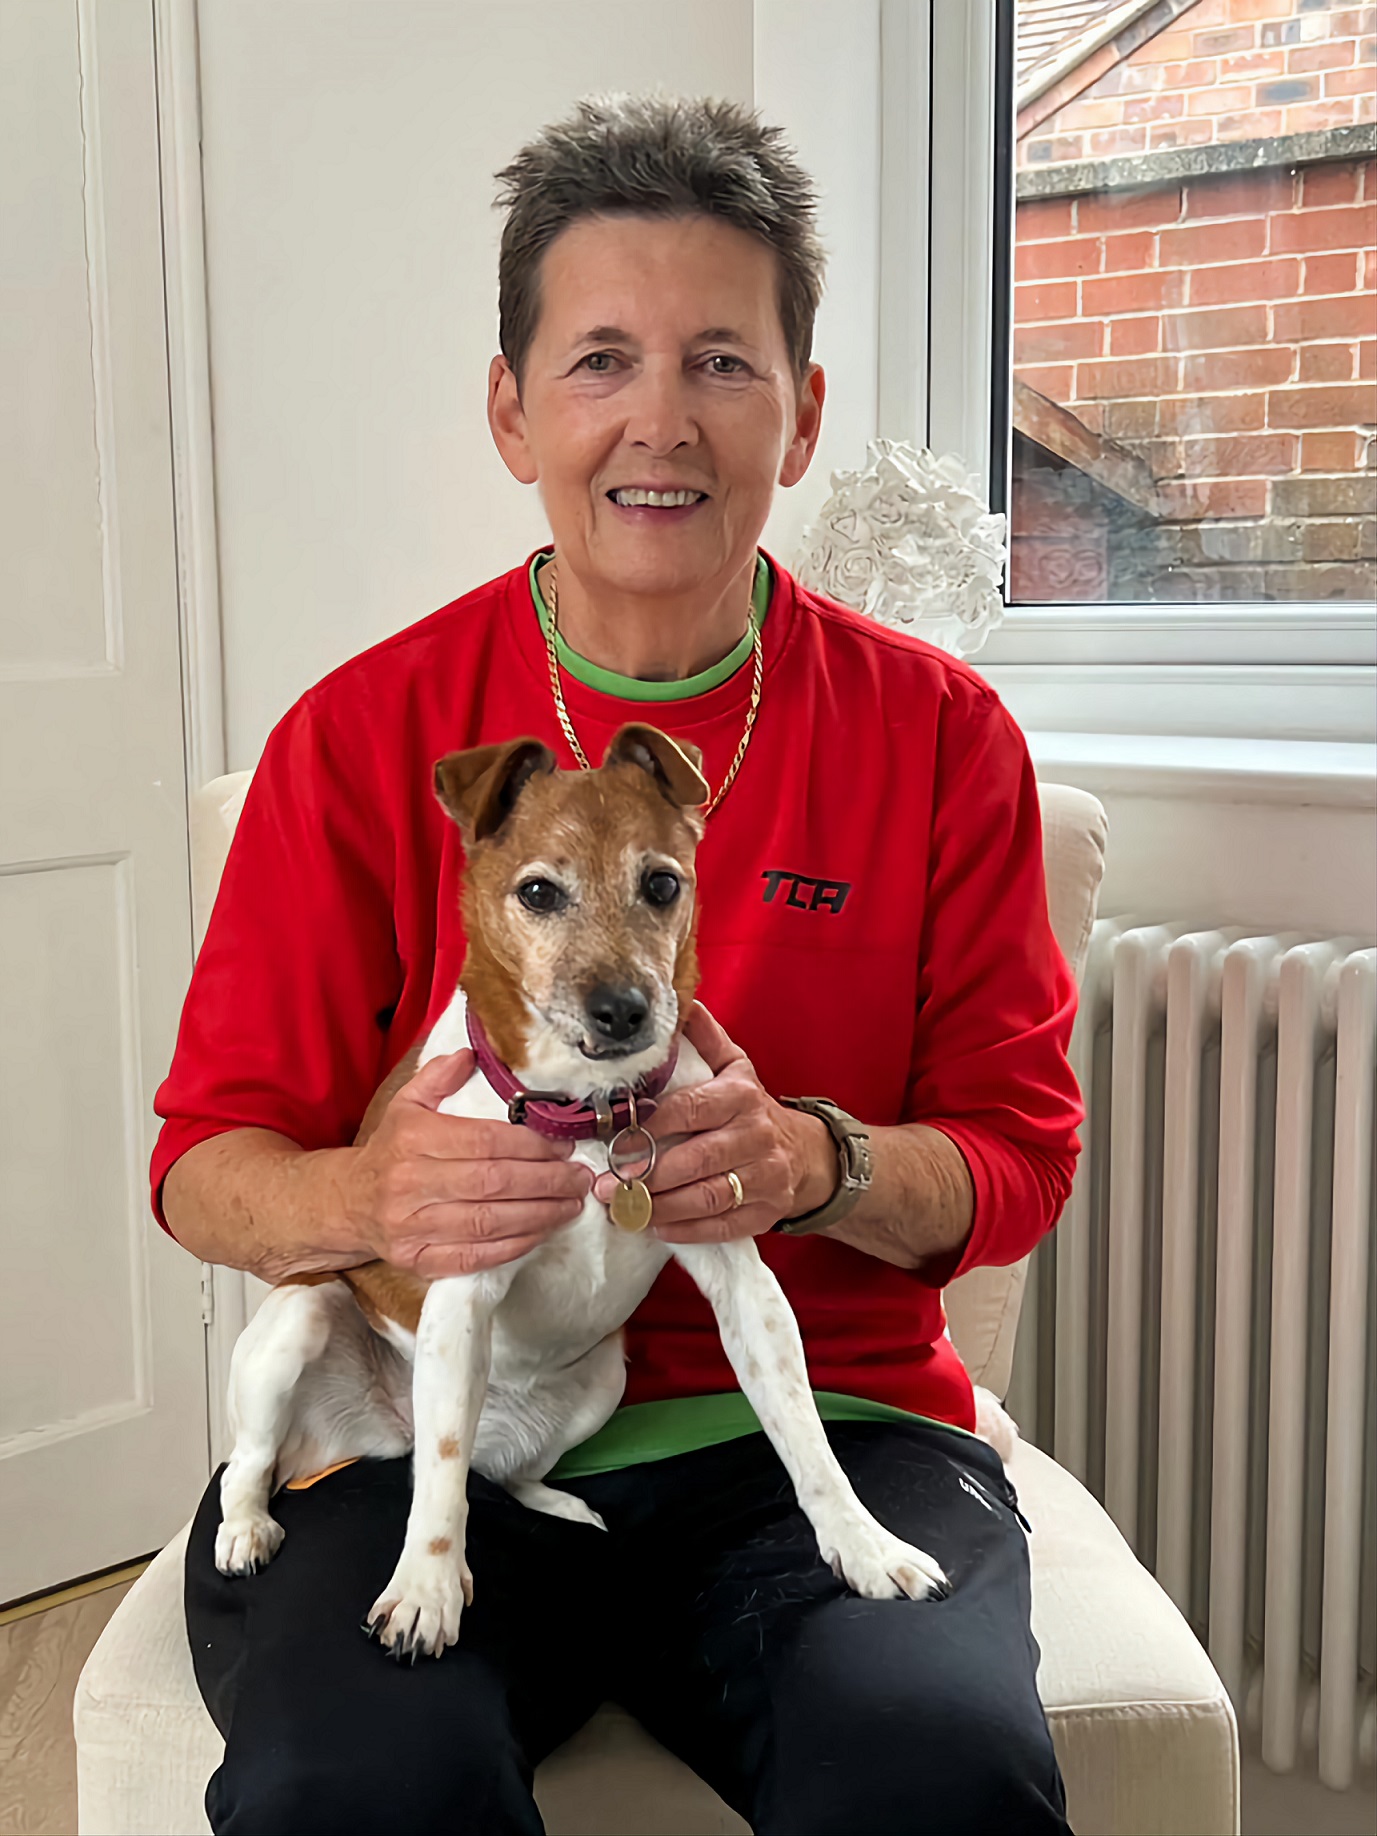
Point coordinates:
[[874, 928]]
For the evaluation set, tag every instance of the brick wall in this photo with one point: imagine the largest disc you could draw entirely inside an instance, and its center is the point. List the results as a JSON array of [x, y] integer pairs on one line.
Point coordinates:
[[1225, 326], [1220, 326], [1221, 70], [1064, 538]]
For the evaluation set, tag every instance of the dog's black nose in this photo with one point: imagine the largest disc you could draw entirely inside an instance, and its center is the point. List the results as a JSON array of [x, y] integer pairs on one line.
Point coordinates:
[[616, 1013]]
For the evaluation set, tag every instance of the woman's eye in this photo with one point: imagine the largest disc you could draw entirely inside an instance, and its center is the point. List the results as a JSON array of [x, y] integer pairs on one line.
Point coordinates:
[[541, 896], [660, 888]]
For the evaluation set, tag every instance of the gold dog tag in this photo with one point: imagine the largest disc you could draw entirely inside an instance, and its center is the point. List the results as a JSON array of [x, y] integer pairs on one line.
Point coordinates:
[[631, 1148], [631, 1205]]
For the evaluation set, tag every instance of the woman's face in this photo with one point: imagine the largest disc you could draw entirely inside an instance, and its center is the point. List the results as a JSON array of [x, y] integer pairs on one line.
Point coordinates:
[[658, 364]]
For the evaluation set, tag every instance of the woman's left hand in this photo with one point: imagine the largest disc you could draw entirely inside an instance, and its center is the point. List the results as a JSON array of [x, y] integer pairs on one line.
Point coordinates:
[[785, 1160]]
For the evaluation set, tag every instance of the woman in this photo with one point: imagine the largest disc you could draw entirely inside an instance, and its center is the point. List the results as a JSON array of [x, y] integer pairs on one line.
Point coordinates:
[[873, 927]]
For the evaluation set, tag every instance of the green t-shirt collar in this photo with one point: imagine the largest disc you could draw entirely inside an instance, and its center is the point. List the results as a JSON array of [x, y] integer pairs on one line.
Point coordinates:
[[631, 688]]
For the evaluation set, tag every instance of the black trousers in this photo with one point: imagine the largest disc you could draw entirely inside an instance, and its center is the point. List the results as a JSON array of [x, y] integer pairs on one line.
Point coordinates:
[[705, 1610]]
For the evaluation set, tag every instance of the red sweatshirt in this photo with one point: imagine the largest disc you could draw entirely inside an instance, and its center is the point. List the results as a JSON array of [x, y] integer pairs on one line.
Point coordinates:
[[873, 927]]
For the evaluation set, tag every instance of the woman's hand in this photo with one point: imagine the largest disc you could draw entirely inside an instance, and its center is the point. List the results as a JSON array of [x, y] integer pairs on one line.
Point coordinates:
[[450, 1195], [786, 1161]]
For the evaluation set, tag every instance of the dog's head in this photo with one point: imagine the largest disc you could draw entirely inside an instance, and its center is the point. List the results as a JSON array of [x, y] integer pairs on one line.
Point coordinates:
[[578, 902]]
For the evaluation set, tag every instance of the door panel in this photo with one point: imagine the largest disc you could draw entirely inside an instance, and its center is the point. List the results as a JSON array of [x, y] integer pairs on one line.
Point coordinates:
[[102, 1371], [54, 605]]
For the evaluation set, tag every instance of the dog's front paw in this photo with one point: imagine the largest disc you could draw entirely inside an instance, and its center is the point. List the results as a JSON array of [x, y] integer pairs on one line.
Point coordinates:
[[245, 1544], [880, 1566], [418, 1611]]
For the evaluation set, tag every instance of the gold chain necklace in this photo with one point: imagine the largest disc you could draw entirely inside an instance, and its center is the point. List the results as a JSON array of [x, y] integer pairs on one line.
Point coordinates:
[[551, 585]]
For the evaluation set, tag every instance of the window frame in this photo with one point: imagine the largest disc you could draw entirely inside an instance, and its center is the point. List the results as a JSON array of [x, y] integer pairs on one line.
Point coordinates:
[[1297, 669]]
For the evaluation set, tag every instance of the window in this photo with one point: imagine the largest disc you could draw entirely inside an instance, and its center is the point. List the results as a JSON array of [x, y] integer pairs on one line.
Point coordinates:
[[1165, 598], [1192, 415]]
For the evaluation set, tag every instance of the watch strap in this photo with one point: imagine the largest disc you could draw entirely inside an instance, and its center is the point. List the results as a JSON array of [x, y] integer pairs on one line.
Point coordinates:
[[852, 1140]]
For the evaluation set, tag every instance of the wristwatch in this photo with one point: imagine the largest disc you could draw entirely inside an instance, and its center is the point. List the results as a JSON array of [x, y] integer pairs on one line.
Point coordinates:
[[853, 1154]]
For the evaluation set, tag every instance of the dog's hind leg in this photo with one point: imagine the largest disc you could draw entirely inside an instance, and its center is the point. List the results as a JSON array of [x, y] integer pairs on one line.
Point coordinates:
[[590, 1391], [761, 1339], [290, 1330], [553, 1503]]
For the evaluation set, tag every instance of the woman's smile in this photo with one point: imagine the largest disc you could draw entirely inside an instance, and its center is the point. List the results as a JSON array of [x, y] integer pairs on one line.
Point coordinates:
[[652, 507]]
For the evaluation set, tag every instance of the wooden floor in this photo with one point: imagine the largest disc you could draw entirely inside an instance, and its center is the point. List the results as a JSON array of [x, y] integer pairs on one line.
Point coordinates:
[[1274, 1806], [40, 1659]]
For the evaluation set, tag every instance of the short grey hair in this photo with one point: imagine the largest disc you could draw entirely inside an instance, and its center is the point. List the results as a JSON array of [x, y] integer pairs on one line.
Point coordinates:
[[658, 156]]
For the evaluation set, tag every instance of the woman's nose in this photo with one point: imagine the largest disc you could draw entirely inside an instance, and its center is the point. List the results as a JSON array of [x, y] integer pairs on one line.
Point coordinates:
[[659, 413]]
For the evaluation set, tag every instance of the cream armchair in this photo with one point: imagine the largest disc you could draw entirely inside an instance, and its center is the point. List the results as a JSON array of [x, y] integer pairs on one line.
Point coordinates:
[[1143, 1728]]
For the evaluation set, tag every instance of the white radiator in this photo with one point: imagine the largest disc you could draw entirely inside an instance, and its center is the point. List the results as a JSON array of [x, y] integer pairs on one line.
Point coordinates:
[[1198, 1342]]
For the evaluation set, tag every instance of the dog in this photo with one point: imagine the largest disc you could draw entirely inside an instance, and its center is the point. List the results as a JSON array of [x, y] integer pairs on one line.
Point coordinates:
[[579, 908]]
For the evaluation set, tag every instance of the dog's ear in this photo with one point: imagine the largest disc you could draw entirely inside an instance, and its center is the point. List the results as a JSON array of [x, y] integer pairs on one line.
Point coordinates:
[[675, 765], [479, 788]]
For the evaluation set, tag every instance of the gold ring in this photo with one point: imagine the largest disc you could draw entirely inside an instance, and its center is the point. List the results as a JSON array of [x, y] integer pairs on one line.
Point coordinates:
[[738, 1196]]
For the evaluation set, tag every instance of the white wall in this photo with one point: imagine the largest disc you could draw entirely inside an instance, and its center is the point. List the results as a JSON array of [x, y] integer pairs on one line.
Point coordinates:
[[817, 75], [348, 153], [1272, 835], [1221, 860]]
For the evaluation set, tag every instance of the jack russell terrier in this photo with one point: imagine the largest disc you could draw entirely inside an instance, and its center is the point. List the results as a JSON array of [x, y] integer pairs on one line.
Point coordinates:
[[580, 971]]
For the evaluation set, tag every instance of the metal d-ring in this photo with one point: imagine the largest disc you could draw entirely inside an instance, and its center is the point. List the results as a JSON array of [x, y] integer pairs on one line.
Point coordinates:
[[602, 1109], [620, 1146]]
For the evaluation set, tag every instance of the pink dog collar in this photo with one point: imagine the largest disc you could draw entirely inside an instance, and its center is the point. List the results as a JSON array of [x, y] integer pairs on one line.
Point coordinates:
[[563, 1118]]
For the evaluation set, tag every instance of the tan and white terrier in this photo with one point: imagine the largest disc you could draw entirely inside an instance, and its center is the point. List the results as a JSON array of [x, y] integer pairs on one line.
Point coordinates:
[[580, 971]]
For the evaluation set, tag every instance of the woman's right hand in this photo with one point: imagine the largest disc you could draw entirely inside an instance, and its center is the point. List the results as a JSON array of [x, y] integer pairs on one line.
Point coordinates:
[[451, 1195]]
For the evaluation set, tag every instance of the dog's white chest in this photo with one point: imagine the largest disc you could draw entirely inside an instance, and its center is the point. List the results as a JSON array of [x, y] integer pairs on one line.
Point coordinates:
[[587, 1278]]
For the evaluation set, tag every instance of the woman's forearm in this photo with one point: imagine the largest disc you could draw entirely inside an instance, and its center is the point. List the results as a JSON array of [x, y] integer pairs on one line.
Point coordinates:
[[921, 1203], [252, 1199]]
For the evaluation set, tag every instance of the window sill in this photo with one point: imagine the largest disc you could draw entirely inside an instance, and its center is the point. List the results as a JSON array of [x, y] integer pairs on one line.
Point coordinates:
[[1324, 702], [1335, 774], [1327, 633]]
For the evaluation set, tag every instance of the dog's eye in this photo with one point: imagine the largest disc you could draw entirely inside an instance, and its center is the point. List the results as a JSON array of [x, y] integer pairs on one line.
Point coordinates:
[[660, 888], [542, 896]]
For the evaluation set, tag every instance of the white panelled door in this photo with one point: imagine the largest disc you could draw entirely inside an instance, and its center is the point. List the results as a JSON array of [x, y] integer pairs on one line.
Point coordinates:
[[102, 1363]]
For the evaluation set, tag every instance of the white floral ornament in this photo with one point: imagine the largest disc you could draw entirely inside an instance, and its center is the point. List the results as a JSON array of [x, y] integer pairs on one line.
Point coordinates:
[[912, 544]]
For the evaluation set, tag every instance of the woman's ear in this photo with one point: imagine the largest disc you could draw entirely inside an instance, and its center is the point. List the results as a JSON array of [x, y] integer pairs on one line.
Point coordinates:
[[812, 392], [507, 420]]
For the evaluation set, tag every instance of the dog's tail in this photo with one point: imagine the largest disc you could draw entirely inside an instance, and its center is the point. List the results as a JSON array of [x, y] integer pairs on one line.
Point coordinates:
[[994, 1424]]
